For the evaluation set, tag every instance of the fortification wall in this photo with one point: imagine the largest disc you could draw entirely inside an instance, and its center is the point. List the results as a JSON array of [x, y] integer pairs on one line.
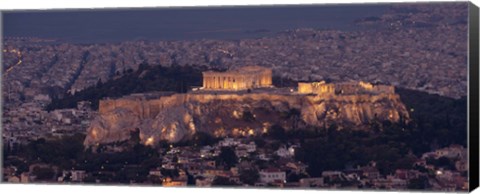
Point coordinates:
[[112, 104], [151, 108], [344, 89]]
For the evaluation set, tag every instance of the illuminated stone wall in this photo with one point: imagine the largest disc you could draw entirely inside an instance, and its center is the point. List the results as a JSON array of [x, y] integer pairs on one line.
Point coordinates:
[[316, 88], [344, 88]]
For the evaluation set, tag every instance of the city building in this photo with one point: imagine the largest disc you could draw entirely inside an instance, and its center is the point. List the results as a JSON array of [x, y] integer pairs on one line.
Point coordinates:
[[271, 175]]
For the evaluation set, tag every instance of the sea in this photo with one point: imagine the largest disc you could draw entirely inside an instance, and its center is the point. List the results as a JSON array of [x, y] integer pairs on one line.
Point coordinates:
[[188, 23]]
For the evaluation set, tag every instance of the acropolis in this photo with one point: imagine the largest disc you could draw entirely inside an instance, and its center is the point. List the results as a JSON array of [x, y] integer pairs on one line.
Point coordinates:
[[216, 107]]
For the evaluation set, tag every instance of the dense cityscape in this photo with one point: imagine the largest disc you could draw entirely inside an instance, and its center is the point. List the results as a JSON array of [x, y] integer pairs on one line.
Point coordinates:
[[421, 48]]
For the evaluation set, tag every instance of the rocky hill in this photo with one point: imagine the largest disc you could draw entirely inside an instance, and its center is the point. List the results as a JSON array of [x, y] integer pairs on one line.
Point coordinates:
[[176, 117]]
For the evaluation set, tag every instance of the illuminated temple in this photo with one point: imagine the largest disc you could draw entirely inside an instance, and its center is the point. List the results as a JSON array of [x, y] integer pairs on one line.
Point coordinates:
[[243, 78], [251, 77]]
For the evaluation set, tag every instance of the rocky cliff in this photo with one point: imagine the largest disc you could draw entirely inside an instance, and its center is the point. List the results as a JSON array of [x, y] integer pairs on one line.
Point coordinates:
[[177, 117]]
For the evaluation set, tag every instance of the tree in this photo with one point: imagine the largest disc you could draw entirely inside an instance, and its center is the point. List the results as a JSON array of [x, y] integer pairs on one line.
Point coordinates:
[[135, 136], [222, 181], [294, 177], [190, 180], [151, 163], [259, 141], [420, 183], [153, 179], [99, 83], [294, 114], [143, 66], [277, 132], [203, 139], [443, 162], [248, 116], [175, 159], [89, 179], [43, 174], [68, 177], [227, 157], [6, 150], [249, 176], [170, 173]]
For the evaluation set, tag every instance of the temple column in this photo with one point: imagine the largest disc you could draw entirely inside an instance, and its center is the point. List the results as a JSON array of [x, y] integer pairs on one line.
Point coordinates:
[[229, 86], [224, 82], [204, 83], [234, 84], [227, 82], [214, 83], [220, 81], [209, 82], [264, 81], [206, 79]]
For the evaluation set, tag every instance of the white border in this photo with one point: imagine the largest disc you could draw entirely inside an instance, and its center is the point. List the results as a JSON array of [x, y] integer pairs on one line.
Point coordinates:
[[75, 4]]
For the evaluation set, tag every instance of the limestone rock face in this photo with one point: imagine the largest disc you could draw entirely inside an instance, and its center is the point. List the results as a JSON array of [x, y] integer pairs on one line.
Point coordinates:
[[354, 110], [179, 116], [172, 124], [112, 127]]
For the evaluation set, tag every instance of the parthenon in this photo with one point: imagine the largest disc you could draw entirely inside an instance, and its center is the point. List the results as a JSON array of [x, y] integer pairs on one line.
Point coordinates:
[[243, 78]]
